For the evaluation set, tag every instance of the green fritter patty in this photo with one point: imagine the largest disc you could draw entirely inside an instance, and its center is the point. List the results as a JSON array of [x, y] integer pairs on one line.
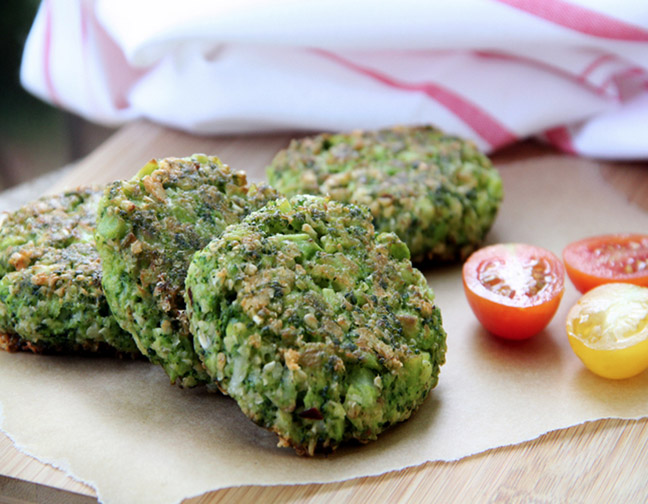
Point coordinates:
[[148, 230], [51, 298], [318, 327], [50, 222], [437, 192]]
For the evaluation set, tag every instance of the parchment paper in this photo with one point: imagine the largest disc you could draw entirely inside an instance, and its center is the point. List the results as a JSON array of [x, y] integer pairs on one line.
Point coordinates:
[[121, 427]]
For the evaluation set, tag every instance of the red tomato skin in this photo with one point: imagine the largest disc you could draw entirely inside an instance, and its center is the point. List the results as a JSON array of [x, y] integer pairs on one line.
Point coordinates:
[[585, 276], [511, 322], [502, 318]]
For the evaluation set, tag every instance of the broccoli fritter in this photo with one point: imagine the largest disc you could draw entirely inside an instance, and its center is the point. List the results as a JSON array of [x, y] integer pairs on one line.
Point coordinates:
[[437, 192], [50, 222], [51, 298], [148, 230], [317, 326]]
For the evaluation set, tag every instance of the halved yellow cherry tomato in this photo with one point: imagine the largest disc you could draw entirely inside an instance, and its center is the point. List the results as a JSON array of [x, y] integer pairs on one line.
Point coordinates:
[[608, 330], [514, 289], [609, 258]]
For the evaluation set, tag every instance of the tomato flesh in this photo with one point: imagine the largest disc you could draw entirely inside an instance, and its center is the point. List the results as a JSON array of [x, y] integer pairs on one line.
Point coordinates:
[[514, 289], [608, 330], [607, 259]]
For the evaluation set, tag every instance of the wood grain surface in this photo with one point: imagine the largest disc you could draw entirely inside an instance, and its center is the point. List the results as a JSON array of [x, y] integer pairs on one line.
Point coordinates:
[[602, 461]]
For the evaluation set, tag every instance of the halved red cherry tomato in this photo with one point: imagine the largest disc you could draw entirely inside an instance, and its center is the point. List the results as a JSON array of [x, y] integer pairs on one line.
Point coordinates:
[[606, 259], [514, 289]]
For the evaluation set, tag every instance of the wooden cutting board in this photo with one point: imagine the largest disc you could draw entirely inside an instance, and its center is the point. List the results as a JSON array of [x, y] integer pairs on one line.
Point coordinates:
[[601, 461]]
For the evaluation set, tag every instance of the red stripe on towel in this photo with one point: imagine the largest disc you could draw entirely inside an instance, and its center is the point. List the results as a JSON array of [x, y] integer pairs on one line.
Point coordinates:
[[487, 127], [581, 19], [560, 138], [540, 65], [47, 55], [595, 64]]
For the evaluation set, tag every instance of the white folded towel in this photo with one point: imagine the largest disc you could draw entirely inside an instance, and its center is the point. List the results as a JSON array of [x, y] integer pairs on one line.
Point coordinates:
[[574, 73]]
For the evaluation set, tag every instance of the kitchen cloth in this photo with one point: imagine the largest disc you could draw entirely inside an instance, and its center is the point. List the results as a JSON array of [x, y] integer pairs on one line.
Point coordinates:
[[574, 73]]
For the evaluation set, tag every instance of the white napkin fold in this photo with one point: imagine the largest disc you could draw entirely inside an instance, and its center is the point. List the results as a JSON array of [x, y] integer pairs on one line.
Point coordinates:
[[574, 73]]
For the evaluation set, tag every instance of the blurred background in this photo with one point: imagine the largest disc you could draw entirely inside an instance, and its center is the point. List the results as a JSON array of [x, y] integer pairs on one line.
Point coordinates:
[[35, 138]]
